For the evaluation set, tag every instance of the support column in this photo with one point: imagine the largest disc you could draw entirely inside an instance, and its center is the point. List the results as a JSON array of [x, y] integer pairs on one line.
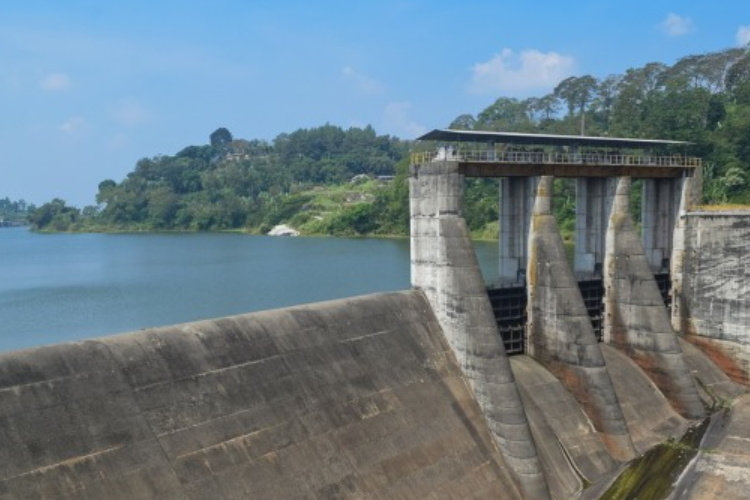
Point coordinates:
[[593, 203], [444, 266], [516, 203], [636, 320], [560, 333], [677, 261], [660, 206]]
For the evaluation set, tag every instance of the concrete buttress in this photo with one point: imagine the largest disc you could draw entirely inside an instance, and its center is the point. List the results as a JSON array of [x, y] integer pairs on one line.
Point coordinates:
[[560, 335], [445, 268], [636, 320]]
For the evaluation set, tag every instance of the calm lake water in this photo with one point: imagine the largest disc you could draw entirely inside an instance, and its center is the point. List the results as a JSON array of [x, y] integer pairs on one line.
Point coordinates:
[[61, 287]]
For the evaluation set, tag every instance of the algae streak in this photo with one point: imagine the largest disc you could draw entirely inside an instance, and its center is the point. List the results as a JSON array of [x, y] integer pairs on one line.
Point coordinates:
[[653, 475]]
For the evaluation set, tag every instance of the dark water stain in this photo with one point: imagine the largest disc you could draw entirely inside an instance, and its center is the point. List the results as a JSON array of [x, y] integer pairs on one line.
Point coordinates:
[[653, 475]]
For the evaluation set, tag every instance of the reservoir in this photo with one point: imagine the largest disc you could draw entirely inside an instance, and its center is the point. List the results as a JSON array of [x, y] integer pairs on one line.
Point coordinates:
[[63, 287]]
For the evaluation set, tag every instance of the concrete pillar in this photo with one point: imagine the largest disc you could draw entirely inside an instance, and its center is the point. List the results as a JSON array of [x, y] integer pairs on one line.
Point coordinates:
[[516, 203], [677, 260], [444, 266], [636, 320], [660, 205], [593, 203], [560, 333]]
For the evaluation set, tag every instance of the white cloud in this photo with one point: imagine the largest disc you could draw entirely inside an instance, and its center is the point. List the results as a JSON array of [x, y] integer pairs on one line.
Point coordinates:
[[74, 125], [55, 82], [675, 25], [743, 35], [363, 83], [396, 120], [130, 112], [523, 73]]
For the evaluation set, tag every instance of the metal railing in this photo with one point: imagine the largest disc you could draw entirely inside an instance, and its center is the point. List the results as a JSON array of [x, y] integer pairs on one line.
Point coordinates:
[[535, 158]]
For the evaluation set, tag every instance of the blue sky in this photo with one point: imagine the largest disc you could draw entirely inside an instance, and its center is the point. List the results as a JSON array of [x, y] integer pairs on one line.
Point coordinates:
[[89, 87]]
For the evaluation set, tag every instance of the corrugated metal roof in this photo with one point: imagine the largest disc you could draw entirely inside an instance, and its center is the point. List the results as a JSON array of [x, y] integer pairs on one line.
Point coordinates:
[[449, 135]]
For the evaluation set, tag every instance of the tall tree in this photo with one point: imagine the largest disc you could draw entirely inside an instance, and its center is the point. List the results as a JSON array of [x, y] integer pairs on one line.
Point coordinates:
[[577, 93], [220, 138]]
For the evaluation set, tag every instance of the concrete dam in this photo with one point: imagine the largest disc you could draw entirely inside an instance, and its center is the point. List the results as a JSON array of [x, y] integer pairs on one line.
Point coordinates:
[[546, 385]]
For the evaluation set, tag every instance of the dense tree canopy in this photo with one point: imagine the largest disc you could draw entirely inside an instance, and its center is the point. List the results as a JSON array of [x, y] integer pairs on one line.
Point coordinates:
[[305, 177]]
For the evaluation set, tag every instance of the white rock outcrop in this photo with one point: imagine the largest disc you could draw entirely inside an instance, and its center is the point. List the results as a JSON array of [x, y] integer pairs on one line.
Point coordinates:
[[283, 230]]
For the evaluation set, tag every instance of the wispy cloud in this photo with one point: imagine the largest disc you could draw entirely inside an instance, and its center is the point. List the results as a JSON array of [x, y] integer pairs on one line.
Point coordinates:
[[130, 112], [397, 121], [524, 73], [676, 25], [55, 82], [362, 83], [74, 125], [743, 35]]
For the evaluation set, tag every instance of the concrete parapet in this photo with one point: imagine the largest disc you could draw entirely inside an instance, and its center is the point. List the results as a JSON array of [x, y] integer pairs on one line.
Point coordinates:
[[560, 335], [445, 267], [636, 320], [356, 398]]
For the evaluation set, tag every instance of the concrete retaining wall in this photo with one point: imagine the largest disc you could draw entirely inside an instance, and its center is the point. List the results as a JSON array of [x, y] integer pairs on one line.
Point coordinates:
[[714, 288], [358, 398]]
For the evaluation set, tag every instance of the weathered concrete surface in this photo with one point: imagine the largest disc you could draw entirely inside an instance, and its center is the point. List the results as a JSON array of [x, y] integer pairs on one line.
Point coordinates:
[[722, 470], [445, 267], [660, 204], [712, 288], [593, 204], [560, 335], [517, 196], [358, 398], [636, 320], [569, 446], [649, 416], [715, 386]]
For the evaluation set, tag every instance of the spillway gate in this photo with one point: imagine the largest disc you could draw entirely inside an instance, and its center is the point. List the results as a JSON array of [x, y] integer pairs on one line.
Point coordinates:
[[509, 306]]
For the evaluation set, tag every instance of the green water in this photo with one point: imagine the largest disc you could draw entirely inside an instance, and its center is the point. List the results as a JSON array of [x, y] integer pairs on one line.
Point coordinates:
[[58, 287]]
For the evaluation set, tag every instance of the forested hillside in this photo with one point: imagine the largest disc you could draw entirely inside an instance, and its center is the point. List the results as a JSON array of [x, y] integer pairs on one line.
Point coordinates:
[[328, 180]]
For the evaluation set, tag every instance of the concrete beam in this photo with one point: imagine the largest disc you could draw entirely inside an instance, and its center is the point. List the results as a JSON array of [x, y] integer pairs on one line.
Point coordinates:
[[636, 320], [560, 335], [488, 169], [445, 267]]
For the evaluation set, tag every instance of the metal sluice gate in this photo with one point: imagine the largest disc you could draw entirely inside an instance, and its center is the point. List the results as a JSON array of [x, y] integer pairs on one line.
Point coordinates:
[[509, 306]]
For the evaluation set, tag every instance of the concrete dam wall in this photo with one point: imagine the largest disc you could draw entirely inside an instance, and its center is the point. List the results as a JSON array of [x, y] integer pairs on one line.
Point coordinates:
[[412, 394], [713, 294], [358, 398]]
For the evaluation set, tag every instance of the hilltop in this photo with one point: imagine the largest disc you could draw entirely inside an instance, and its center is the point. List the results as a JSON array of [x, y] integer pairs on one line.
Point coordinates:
[[328, 180]]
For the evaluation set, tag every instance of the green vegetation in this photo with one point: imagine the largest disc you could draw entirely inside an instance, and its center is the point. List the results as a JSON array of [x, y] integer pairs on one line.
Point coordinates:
[[328, 180], [652, 476], [15, 213]]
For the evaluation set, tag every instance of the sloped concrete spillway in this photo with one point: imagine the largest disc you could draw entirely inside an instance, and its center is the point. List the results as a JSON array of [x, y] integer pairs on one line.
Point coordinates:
[[358, 398]]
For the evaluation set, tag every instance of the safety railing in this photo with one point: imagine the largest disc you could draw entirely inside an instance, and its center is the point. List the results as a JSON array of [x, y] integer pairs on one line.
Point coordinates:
[[534, 158]]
